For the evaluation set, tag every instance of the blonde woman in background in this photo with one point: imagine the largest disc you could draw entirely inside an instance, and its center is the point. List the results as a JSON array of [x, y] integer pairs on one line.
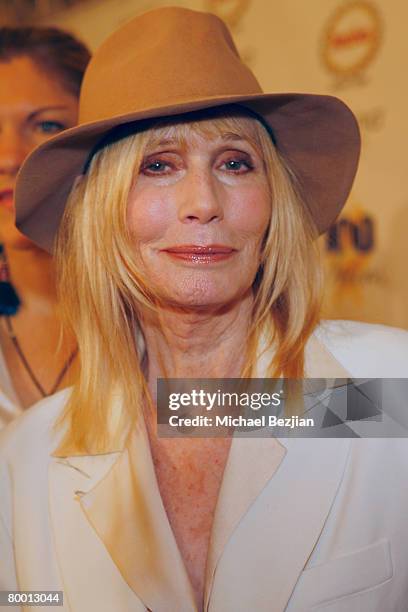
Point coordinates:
[[41, 71], [186, 249]]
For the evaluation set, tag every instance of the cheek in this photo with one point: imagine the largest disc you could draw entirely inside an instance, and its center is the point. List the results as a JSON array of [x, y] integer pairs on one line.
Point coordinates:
[[250, 212], [148, 217]]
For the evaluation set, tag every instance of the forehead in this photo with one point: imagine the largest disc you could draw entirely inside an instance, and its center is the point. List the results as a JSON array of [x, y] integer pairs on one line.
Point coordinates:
[[22, 83]]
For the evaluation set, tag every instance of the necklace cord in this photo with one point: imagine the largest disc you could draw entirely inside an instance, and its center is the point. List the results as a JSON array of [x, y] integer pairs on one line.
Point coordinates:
[[28, 368]]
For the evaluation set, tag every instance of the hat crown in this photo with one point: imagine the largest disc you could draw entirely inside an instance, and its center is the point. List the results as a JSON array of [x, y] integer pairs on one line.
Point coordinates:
[[164, 57]]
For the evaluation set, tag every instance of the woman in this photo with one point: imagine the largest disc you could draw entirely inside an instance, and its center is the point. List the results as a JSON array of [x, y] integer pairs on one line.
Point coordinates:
[[186, 251], [40, 75]]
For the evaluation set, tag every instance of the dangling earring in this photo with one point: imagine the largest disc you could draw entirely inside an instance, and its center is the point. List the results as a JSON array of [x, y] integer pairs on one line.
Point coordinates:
[[9, 300]]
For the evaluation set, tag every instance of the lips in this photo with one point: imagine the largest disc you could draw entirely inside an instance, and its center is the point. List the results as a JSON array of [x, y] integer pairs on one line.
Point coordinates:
[[193, 248], [200, 253]]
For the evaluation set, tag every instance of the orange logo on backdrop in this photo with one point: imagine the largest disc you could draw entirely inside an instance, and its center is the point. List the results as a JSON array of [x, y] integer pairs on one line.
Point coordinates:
[[352, 38]]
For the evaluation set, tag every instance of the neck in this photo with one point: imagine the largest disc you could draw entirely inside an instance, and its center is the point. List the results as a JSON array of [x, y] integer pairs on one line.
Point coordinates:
[[33, 276], [197, 344]]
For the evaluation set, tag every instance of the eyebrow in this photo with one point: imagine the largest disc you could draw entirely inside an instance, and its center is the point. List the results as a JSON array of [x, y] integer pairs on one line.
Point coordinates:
[[43, 109], [233, 136]]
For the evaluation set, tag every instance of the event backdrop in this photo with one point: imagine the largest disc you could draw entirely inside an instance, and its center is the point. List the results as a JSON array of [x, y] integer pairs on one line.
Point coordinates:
[[353, 49]]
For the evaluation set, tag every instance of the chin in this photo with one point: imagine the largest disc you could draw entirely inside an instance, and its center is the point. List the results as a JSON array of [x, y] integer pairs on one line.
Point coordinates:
[[202, 295]]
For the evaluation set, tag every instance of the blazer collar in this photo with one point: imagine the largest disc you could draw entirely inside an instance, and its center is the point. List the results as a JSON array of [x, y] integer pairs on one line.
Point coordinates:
[[120, 499]]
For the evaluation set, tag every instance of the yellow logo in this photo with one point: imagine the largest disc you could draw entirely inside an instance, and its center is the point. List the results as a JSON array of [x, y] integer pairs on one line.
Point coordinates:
[[352, 38], [350, 246]]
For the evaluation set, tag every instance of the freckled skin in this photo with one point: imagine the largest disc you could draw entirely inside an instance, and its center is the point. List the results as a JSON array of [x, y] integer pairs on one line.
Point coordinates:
[[189, 494]]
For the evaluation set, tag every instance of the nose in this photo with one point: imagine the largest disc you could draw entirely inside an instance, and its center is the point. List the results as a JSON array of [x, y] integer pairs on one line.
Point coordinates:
[[13, 151], [201, 198]]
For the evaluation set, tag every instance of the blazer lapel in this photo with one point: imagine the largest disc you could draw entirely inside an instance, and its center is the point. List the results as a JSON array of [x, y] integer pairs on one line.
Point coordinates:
[[300, 478], [89, 578], [265, 549], [127, 512], [107, 509], [251, 464]]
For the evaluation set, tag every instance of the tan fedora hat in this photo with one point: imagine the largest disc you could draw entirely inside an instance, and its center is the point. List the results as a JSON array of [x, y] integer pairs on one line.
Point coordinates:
[[174, 60]]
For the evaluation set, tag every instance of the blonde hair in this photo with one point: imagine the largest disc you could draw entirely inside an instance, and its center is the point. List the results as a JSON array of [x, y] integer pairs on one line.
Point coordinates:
[[102, 292]]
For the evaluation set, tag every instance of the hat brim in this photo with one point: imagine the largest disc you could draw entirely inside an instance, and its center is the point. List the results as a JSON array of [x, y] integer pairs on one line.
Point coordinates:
[[318, 135]]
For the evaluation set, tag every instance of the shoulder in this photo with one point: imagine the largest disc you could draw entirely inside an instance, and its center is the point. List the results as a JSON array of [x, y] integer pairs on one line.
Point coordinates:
[[366, 350], [32, 435]]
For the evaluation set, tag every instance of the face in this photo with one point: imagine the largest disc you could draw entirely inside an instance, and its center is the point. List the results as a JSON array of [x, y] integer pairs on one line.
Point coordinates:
[[198, 213], [33, 107]]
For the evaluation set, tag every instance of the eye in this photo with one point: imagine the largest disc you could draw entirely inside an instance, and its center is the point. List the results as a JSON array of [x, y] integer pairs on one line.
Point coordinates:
[[238, 165], [160, 165], [154, 167], [50, 127]]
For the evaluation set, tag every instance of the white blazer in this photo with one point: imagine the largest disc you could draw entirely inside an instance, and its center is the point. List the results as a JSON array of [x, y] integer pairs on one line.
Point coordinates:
[[301, 524], [10, 405]]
